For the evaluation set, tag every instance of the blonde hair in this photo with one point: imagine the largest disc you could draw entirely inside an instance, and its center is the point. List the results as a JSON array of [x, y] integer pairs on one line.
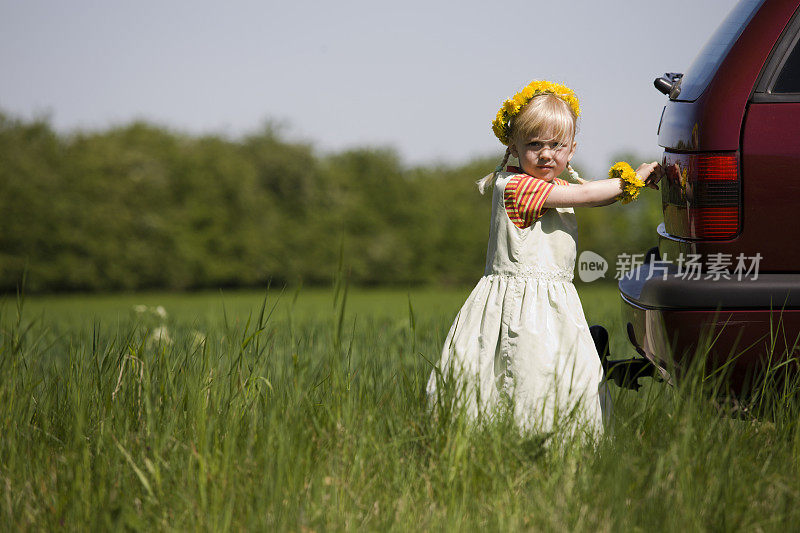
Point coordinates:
[[546, 113]]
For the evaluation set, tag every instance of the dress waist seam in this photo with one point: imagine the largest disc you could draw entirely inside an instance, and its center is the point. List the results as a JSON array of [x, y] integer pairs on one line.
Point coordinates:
[[544, 275]]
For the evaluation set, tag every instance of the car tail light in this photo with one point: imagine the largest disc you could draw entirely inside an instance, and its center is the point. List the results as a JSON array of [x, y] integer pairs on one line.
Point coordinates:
[[701, 197]]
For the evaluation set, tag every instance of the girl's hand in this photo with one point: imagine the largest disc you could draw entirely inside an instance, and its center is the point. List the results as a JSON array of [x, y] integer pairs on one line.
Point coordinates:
[[651, 173]]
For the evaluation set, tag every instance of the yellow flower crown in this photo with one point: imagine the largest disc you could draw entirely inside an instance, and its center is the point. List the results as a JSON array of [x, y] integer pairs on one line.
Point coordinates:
[[511, 107]]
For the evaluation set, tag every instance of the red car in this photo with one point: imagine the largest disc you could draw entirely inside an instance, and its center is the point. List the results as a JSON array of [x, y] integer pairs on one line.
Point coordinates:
[[727, 262]]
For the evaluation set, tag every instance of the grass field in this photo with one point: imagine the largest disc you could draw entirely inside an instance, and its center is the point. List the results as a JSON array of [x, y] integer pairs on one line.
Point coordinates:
[[306, 411]]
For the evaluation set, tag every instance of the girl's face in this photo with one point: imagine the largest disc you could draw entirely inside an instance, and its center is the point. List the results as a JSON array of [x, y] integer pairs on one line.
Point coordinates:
[[542, 156]]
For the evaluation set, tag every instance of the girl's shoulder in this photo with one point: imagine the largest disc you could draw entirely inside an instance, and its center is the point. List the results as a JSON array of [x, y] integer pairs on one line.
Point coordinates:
[[523, 197]]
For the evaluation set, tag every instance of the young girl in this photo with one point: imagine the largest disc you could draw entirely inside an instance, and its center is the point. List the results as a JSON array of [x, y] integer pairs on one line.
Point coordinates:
[[521, 338]]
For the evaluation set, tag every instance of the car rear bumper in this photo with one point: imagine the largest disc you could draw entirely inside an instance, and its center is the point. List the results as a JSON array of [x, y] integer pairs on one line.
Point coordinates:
[[738, 323]]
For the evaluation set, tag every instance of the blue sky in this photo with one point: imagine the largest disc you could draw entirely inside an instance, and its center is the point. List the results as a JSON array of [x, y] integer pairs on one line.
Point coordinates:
[[424, 77]]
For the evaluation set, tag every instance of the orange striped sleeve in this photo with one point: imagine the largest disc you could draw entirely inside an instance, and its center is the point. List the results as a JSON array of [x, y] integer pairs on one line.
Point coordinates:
[[524, 198]]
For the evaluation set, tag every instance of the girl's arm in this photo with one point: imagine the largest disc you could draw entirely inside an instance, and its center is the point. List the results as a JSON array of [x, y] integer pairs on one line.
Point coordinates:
[[601, 192]]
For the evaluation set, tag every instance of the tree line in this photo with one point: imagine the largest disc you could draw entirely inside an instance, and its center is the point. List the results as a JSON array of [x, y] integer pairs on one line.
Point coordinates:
[[140, 207]]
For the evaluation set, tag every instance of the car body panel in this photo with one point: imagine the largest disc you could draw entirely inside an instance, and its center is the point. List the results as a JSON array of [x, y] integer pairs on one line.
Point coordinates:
[[771, 186]]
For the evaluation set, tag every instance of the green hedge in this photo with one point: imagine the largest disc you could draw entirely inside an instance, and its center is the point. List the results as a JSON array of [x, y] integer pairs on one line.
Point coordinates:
[[140, 206]]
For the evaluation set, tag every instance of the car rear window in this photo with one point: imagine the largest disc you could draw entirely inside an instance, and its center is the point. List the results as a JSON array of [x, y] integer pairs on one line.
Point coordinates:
[[699, 74], [789, 79]]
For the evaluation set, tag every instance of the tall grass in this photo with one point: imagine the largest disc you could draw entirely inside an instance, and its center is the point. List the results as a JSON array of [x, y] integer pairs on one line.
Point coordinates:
[[274, 419]]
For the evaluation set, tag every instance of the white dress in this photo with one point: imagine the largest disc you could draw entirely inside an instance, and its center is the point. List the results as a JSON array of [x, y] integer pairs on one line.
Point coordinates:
[[522, 334]]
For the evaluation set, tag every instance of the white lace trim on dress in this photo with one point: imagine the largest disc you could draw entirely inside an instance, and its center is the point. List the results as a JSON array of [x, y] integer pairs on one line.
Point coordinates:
[[553, 274]]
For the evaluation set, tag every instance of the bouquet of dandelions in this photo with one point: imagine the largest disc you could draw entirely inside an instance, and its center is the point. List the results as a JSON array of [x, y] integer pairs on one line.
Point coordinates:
[[154, 319]]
